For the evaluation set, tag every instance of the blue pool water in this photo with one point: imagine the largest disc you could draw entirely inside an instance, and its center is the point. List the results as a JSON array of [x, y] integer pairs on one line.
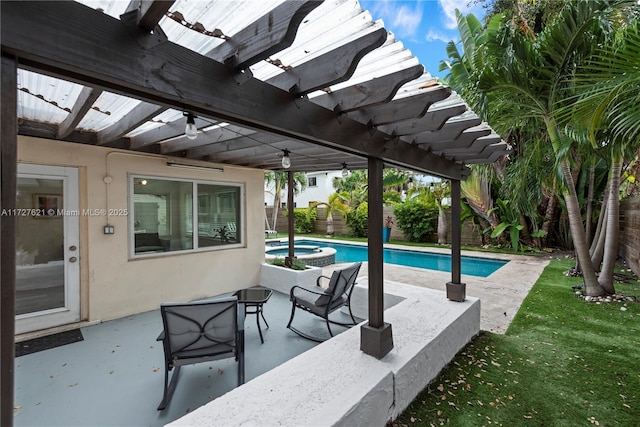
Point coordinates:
[[471, 266]]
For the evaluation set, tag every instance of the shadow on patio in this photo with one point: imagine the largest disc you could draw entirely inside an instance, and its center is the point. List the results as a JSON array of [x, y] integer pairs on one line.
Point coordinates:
[[114, 377]]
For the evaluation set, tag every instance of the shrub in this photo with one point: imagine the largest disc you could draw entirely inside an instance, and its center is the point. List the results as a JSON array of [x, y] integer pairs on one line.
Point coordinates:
[[416, 220], [357, 220], [304, 220]]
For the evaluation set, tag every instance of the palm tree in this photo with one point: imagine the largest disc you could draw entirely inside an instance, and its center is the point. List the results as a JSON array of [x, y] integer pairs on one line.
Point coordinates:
[[529, 76], [279, 181], [608, 106], [334, 202]]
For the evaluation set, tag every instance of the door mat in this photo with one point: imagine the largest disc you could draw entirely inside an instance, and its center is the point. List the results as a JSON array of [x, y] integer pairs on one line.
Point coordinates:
[[50, 341]]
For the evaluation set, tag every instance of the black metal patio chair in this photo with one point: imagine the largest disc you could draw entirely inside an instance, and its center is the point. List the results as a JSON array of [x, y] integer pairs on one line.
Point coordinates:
[[322, 302], [200, 331]]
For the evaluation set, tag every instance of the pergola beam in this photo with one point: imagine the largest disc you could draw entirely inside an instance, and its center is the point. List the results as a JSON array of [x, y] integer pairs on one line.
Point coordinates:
[[449, 131], [474, 146], [166, 131], [338, 65], [464, 140], [253, 140], [370, 93], [84, 102], [99, 50], [141, 114], [208, 138], [405, 108], [433, 120], [277, 31], [148, 13]]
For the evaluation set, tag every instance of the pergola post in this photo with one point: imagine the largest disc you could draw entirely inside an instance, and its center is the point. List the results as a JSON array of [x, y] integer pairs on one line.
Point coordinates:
[[290, 223], [375, 336], [456, 290], [8, 175]]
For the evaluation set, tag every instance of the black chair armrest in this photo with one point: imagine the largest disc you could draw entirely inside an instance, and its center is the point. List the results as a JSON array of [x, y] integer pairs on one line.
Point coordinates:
[[311, 291], [321, 277]]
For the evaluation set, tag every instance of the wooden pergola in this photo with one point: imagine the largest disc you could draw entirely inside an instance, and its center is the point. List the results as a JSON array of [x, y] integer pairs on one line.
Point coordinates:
[[320, 80]]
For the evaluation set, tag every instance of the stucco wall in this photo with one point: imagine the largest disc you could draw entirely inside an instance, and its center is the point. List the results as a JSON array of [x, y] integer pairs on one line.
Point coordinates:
[[630, 232], [112, 284]]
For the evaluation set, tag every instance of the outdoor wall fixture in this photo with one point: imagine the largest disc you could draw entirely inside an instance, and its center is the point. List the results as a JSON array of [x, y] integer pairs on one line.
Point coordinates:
[[286, 161], [178, 164], [109, 229], [345, 170], [191, 131]]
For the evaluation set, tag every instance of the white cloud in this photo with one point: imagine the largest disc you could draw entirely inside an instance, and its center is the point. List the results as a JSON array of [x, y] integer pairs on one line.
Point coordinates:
[[449, 9], [407, 19], [433, 35], [404, 19]]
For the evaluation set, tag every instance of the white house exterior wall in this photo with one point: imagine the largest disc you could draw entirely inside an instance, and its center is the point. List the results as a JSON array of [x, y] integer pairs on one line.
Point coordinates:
[[319, 193], [112, 284]]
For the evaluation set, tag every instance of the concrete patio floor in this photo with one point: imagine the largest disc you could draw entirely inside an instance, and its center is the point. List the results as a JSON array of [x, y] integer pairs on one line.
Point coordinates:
[[114, 377]]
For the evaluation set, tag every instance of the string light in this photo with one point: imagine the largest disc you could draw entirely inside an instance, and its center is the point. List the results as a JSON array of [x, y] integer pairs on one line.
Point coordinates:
[[286, 161], [191, 131], [345, 170]]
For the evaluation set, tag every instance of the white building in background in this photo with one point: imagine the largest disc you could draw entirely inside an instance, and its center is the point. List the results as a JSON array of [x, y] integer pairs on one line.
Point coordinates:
[[319, 187]]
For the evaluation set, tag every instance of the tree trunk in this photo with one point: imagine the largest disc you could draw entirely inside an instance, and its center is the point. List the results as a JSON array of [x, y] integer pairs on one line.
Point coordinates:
[[549, 219], [330, 230], [525, 235], [612, 230], [592, 175], [484, 224], [591, 285], [442, 226], [276, 206], [597, 247]]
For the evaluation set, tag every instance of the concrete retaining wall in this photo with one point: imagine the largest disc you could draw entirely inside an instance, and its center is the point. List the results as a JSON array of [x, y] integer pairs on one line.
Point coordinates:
[[336, 384]]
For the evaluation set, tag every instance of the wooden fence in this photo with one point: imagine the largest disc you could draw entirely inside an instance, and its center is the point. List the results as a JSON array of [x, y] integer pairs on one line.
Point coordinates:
[[630, 232], [470, 235]]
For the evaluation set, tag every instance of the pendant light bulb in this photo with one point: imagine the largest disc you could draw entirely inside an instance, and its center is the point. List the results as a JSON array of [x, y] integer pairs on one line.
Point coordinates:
[[345, 170], [286, 161], [191, 131]]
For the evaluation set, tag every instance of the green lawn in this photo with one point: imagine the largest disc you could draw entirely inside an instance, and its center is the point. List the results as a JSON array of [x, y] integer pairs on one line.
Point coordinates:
[[562, 362]]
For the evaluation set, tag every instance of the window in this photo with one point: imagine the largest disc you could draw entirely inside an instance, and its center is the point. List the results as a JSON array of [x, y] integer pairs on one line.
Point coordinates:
[[170, 215], [313, 181]]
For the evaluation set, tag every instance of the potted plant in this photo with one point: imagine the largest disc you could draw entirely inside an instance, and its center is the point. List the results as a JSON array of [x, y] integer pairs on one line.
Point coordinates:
[[386, 230]]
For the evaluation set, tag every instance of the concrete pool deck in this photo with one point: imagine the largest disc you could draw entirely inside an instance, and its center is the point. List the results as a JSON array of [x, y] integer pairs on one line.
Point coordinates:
[[500, 293]]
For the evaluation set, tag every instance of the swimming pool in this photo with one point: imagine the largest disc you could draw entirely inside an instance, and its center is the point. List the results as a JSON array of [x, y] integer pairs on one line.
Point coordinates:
[[471, 266]]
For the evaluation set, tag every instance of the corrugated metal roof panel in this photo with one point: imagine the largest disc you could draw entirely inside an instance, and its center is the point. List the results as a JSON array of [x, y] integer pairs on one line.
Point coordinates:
[[37, 94], [107, 110]]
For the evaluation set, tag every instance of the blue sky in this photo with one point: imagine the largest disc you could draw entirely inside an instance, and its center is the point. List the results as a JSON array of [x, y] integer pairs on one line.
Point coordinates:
[[424, 26]]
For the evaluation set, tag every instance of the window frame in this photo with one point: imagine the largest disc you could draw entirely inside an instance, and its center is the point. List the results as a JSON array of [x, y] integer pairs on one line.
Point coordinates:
[[133, 177]]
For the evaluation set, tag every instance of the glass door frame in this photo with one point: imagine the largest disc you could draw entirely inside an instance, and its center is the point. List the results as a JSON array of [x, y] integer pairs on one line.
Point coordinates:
[[70, 312]]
